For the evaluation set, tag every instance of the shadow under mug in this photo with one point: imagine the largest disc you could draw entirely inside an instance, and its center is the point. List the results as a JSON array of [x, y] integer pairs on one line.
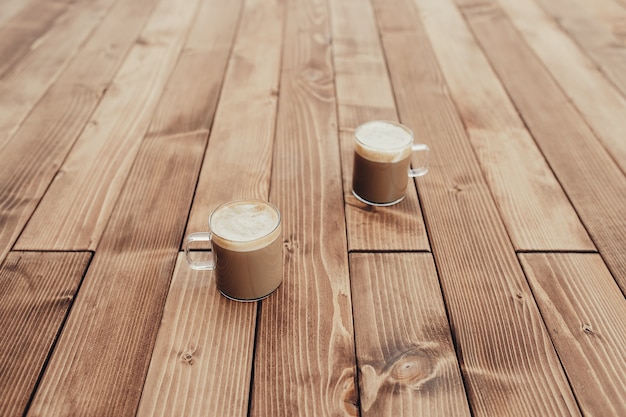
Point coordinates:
[[382, 155], [246, 239]]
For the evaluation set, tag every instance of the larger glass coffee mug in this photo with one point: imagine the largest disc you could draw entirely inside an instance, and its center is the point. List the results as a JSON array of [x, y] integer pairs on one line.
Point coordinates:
[[246, 238], [382, 155]]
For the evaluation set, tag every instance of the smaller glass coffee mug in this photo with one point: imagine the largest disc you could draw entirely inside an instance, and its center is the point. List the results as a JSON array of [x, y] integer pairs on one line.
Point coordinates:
[[382, 155], [246, 238]]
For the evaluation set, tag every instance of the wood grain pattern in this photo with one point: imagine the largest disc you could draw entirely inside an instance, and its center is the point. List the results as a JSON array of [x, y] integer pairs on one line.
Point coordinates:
[[79, 201], [602, 106], [29, 162], [190, 97], [586, 315], [202, 363], [407, 363], [611, 12], [21, 28], [238, 162], [602, 43], [202, 359], [304, 362], [9, 9], [27, 81], [593, 182], [534, 208], [507, 358], [363, 94], [36, 293], [100, 362]]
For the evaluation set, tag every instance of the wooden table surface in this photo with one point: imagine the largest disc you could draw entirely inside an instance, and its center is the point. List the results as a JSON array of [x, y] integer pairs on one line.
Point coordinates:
[[496, 288]]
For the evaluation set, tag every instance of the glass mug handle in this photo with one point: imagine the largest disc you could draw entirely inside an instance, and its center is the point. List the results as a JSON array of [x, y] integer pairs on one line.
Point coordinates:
[[198, 265], [423, 168]]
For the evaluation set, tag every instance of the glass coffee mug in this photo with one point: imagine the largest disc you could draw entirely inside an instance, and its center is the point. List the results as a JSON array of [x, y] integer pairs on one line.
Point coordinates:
[[246, 238], [382, 155]]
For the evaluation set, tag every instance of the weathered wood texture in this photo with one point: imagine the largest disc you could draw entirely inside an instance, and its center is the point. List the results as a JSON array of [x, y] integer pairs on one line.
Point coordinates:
[[203, 355], [593, 182], [363, 94], [25, 83], [8, 10], [190, 97], [202, 360], [21, 28], [604, 43], [36, 292], [534, 208], [238, 162], [601, 104], [586, 316], [32, 158], [100, 361], [507, 358], [304, 363], [406, 359], [79, 202]]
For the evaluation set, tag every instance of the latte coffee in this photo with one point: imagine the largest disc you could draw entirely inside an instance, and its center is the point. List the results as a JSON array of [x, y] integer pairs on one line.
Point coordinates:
[[382, 155], [246, 237]]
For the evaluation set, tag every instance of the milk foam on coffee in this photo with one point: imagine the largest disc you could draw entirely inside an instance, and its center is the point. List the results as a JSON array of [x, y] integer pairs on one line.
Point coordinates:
[[245, 225], [382, 141]]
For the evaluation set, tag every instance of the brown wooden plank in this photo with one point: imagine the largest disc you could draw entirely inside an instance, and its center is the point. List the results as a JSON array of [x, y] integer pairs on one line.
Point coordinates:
[[585, 312], [606, 46], [304, 362], [593, 182], [602, 106], [190, 97], [102, 356], [202, 359], [36, 293], [507, 358], [407, 362], [32, 158], [79, 201], [363, 94], [21, 28], [532, 204], [197, 320], [9, 9], [27, 81], [238, 161], [612, 13]]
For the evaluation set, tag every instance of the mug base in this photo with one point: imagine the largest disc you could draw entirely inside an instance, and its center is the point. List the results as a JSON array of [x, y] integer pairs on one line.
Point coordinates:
[[247, 300], [371, 203]]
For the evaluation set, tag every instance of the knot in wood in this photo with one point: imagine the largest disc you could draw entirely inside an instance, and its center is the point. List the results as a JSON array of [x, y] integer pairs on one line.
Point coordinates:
[[187, 358], [412, 367]]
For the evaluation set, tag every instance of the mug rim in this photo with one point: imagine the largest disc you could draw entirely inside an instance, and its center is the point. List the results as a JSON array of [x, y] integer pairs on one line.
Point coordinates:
[[396, 124], [241, 200]]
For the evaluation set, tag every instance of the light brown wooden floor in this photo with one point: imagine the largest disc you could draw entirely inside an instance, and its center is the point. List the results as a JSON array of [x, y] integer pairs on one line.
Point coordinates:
[[496, 288]]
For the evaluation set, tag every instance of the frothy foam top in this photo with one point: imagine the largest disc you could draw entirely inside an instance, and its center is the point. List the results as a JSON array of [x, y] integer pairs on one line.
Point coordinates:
[[245, 225], [383, 141]]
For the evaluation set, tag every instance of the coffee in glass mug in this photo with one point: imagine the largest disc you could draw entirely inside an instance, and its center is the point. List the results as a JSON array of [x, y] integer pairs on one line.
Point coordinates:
[[382, 155], [246, 238]]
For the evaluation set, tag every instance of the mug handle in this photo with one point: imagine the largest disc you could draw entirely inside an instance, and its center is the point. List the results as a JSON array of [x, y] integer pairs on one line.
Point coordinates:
[[198, 265], [422, 169]]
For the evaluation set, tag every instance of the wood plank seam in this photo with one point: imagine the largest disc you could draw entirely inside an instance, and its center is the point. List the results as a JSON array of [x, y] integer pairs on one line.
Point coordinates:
[[473, 250], [81, 209], [581, 306], [61, 326], [587, 172], [49, 283]]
